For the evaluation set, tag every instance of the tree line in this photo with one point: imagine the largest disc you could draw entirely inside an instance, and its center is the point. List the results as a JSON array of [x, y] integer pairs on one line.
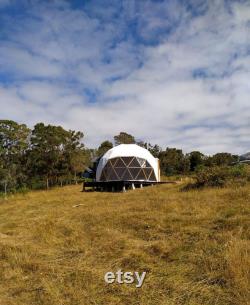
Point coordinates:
[[49, 155], [39, 158], [174, 161]]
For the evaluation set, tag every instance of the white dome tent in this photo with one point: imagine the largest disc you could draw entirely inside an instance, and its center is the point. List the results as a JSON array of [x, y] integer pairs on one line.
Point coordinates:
[[128, 162], [125, 166]]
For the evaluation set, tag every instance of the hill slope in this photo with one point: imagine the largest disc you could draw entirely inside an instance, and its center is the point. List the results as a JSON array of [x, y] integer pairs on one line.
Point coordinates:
[[194, 246], [245, 156]]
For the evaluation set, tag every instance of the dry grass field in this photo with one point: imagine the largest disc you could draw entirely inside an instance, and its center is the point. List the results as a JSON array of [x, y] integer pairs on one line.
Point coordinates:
[[194, 246]]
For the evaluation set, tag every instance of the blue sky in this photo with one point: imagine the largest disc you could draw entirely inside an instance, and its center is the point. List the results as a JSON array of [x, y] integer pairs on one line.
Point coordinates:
[[176, 73]]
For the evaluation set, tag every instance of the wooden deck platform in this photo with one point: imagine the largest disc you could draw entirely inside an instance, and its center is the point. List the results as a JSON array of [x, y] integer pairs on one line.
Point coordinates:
[[118, 186]]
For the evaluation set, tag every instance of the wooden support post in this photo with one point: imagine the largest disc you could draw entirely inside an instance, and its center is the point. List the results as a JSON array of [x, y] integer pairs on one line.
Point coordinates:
[[133, 186], [141, 186], [83, 187], [124, 189]]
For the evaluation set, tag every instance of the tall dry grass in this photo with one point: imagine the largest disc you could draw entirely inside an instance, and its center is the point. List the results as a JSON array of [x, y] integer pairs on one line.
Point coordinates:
[[194, 246]]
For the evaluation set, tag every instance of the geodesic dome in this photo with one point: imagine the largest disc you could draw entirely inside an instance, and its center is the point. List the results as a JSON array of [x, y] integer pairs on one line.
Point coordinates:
[[128, 162]]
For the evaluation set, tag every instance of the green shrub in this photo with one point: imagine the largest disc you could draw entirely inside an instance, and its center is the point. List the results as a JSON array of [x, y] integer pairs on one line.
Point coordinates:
[[36, 183], [214, 176], [23, 190], [219, 176], [239, 171]]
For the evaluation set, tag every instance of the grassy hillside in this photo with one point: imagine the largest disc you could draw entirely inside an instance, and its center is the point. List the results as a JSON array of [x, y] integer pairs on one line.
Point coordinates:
[[194, 246]]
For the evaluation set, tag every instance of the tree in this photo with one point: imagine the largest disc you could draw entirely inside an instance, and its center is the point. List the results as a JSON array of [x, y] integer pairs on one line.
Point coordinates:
[[76, 157], [104, 147], [153, 149], [78, 160], [46, 155], [124, 138], [223, 159], [14, 141], [55, 152], [196, 159], [173, 161]]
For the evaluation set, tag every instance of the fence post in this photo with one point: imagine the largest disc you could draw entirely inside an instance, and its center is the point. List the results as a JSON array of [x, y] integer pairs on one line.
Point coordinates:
[[5, 189]]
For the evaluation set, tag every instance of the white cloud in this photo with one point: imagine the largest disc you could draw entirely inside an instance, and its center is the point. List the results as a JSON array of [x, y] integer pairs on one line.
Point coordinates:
[[55, 56]]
